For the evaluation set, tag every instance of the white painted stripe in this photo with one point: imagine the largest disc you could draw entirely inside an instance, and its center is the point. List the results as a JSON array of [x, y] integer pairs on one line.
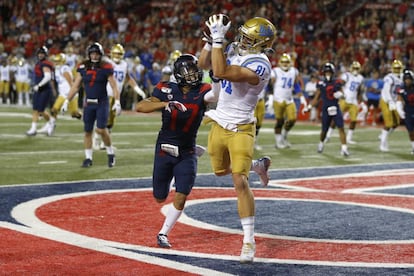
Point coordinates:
[[53, 162]]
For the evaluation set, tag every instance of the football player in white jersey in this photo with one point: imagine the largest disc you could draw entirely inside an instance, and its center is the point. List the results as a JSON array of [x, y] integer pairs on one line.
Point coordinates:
[[122, 76], [5, 78], [353, 95], [21, 71], [388, 102], [243, 70], [284, 77], [72, 59], [64, 79]]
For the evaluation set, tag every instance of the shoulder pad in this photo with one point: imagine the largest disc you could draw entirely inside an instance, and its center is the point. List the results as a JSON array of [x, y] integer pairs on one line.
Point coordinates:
[[164, 87]]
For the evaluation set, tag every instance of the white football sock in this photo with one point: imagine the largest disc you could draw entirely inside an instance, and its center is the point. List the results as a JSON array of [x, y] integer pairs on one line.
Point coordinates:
[[170, 220], [248, 229]]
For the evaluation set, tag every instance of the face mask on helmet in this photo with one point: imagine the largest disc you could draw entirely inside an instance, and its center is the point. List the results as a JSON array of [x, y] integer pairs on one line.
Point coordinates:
[[95, 48], [59, 59], [256, 35], [355, 68], [328, 71], [186, 71], [397, 68], [408, 77], [285, 62], [42, 53], [117, 53]]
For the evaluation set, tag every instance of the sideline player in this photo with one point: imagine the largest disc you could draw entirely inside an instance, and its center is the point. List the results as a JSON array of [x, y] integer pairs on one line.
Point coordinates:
[[22, 70], [95, 73], [182, 103], [243, 71], [43, 76]]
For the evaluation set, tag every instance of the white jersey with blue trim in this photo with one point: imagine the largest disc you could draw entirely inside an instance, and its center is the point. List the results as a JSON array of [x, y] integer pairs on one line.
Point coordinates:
[[391, 82], [237, 100], [62, 82], [120, 75], [350, 88], [284, 84], [22, 73]]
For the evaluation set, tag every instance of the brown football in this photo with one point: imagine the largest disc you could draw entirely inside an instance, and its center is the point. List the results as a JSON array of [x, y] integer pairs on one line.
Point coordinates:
[[226, 20]]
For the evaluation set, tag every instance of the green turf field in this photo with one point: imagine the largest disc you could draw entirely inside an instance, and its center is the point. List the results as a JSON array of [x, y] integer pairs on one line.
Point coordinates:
[[41, 159]]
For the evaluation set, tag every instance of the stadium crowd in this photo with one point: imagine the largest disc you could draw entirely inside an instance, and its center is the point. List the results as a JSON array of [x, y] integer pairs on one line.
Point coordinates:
[[312, 32]]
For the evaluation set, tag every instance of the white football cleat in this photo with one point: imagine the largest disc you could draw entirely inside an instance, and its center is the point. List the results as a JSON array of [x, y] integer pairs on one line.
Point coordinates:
[[384, 148], [261, 167], [247, 253], [44, 128], [50, 129], [320, 147], [345, 153], [31, 132]]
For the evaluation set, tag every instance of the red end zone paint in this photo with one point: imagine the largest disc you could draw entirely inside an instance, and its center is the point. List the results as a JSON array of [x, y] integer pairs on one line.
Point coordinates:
[[135, 218], [29, 255]]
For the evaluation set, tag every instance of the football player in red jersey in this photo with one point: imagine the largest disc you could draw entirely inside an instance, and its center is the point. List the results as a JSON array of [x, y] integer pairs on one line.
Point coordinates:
[[183, 103], [43, 89], [95, 73]]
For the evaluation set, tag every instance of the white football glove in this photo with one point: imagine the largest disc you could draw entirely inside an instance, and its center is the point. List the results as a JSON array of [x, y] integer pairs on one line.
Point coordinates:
[[36, 88], [306, 109], [64, 107], [391, 106], [400, 109], [303, 100], [117, 107], [217, 28], [140, 92], [175, 105], [338, 94]]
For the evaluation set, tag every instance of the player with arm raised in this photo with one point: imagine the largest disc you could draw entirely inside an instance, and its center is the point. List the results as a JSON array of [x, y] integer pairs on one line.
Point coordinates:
[[243, 70]]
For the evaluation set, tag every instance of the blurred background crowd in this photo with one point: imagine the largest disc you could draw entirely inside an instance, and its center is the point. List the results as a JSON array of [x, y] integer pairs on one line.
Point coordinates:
[[312, 32]]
